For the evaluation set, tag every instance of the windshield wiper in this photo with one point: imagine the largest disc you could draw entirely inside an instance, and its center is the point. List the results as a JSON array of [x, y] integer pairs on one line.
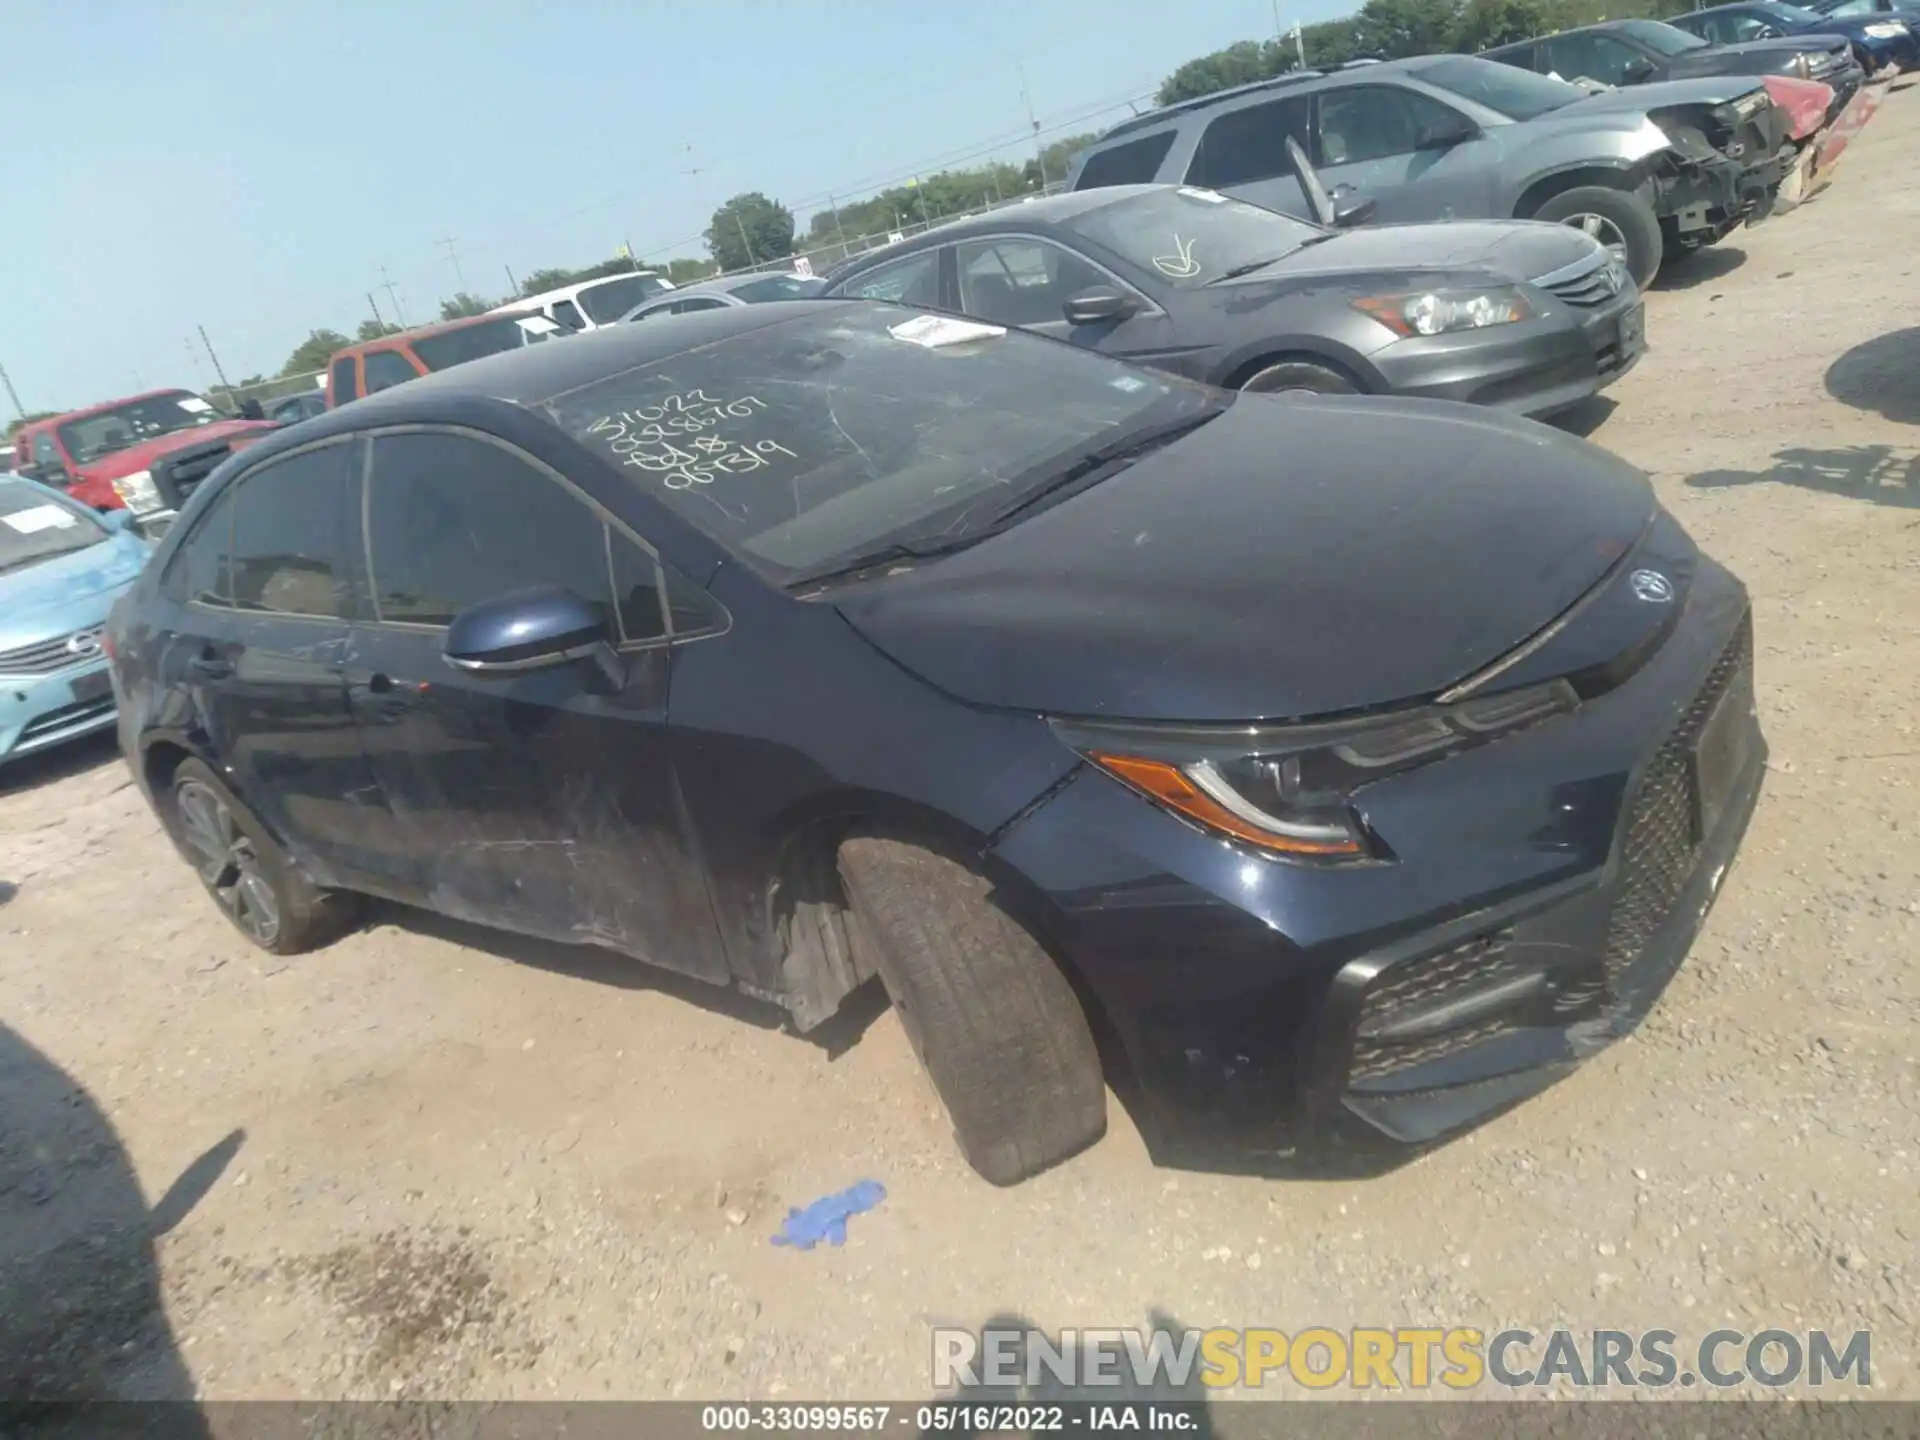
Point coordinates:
[[923, 547], [1252, 265], [1097, 465]]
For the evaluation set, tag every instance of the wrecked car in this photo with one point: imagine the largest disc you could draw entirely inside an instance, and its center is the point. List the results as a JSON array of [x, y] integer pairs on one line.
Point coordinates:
[[1452, 137], [1342, 760], [1533, 318]]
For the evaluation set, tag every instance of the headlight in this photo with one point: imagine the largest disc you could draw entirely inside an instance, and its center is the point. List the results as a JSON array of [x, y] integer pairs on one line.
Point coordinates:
[[138, 492], [1738, 112], [1439, 311], [1288, 790], [1886, 29]]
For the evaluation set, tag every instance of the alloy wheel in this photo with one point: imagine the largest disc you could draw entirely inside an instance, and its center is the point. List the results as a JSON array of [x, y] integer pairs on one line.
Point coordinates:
[[1603, 230], [229, 865]]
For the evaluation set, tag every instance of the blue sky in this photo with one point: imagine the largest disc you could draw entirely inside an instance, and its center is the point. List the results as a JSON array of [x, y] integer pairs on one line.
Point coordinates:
[[250, 165]]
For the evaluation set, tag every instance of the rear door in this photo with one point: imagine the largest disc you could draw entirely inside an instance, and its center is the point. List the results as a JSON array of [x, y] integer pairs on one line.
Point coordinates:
[[267, 585], [542, 801]]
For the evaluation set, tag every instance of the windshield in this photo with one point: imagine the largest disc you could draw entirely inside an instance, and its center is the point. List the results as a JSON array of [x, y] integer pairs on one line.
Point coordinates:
[[471, 342], [1515, 93], [34, 526], [1187, 237], [134, 423], [822, 437], [1667, 39], [607, 301]]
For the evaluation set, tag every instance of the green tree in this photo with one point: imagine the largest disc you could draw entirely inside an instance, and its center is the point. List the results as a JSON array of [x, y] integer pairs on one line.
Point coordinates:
[[686, 271], [1395, 29], [1486, 23], [1240, 64], [748, 229], [541, 281], [461, 306], [371, 329], [313, 352]]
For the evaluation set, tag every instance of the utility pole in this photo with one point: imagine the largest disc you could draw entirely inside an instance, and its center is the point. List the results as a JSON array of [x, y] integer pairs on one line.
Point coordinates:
[[1278, 33], [752, 260], [633, 261], [379, 320], [387, 284], [12, 394], [1299, 45], [513, 285], [1039, 150], [695, 172], [838, 229], [214, 358], [454, 256]]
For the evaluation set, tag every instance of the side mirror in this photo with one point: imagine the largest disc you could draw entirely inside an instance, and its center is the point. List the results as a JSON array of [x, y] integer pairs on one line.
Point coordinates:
[[1355, 212], [1096, 307], [119, 520], [1637, 71], [250, 410], [1445, 134], [530, 629]]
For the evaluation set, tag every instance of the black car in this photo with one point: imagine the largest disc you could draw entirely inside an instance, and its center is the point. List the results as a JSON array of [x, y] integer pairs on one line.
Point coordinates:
[[1880, 41], [1632, 52], [1343, 760], [1526, 315], [292, 409]]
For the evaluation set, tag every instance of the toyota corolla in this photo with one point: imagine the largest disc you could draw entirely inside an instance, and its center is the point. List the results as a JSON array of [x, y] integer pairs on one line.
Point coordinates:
[[1343, 761]]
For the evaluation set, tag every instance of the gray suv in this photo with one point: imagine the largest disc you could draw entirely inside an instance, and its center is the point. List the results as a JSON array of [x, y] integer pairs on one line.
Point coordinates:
[[1653, 170]]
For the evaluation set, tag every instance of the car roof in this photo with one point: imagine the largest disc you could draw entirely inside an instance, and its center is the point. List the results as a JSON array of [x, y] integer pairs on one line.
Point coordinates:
[[568, 292], [722, 284], [418, 332], [1202, 102], [104, 406], [1044, 210]]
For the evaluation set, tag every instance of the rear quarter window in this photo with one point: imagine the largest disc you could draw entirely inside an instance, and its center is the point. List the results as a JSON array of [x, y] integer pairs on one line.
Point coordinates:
[[1135, 162]]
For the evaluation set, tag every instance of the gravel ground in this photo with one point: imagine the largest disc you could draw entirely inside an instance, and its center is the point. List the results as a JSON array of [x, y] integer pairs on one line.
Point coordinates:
[[436, 1162]]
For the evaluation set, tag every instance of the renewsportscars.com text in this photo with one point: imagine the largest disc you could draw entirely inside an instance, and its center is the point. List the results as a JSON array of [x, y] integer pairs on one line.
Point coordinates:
[[1401, 1358]]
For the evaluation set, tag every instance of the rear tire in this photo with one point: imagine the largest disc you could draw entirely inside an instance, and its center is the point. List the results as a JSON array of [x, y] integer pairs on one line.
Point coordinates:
[[1619, 219], [1299, 377], [254, 882], [994, 1021]]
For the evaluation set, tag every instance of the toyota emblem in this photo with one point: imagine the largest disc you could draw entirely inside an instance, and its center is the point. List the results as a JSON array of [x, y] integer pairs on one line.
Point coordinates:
[[87, 642], [1651, 586]]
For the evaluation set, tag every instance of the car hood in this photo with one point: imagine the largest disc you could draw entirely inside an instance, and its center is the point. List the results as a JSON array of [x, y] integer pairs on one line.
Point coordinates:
[[1512, 249], [1660, 94], [142, 456], [1296, 557], [67, 593]]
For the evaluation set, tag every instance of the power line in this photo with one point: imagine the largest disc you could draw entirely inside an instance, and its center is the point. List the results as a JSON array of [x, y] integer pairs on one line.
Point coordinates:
[[454, 255]]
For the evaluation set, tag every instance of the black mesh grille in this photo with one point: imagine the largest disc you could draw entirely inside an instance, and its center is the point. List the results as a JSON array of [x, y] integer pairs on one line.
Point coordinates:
[[1659, 847], [78, 713], [177, 475]]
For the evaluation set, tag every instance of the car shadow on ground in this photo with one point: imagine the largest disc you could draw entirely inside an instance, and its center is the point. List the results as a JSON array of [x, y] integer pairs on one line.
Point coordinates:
[[597, 965], [81, 1314], [1009, 1360], [63, 762], [1882, 375], [1879, 474], [1699, 267], [1586, 417]]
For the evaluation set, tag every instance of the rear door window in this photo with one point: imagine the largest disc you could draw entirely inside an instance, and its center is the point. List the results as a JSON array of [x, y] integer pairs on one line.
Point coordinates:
[[1590, 57], [295, 542], [1018, 280], [568, 314], [1248, 145], [341, 384], [198, 572], [1134, 163], [387, 368], [910, 280]]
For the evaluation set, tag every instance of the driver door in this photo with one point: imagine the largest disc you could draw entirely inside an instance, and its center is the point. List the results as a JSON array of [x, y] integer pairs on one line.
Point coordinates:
[[1026, 280], [1373, 143]]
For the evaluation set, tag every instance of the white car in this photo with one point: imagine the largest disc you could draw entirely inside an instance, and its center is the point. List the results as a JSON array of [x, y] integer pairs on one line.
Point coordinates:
[[589, 304]]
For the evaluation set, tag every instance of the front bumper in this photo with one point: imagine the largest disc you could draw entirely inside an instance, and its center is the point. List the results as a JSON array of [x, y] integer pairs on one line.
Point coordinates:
[[1534, 368], [1547, 888], [38, 712]]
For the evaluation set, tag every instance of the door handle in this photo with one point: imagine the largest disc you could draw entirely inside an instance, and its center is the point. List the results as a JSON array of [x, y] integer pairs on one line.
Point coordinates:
[[1341, 189], [212, 667]]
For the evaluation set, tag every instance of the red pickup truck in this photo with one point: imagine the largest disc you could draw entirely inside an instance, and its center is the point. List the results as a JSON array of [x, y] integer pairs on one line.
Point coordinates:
[[144, 453]]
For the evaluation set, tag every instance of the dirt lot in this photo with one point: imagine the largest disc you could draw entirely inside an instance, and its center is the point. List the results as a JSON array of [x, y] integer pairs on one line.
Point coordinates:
[[433, 1161]]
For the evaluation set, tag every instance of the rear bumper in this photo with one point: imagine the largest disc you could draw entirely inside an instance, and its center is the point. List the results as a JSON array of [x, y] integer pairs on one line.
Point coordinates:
[[38, 712], [1550, 364]]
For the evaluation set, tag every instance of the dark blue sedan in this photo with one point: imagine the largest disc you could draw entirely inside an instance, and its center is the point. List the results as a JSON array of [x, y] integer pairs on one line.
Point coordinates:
[[1343, 761], [1879, 39]]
